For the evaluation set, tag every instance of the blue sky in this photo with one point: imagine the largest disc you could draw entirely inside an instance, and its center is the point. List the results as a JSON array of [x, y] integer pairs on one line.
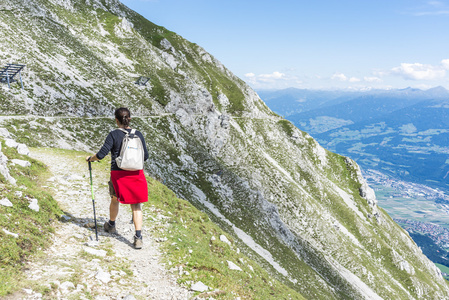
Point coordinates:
[[319, 44]]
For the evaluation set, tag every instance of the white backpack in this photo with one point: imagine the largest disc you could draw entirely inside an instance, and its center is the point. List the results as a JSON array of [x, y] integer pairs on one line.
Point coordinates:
[[131, 153]]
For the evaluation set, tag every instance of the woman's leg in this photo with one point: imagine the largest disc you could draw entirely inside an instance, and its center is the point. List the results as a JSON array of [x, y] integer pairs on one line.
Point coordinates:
[[113, 208], [109, 226], [137, 216], [137, 219]]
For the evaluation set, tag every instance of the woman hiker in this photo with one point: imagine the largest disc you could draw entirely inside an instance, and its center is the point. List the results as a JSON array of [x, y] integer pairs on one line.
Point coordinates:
[[126, 187]]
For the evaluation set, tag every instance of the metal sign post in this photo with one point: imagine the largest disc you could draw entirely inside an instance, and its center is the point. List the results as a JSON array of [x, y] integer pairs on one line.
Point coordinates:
[[21, 83]]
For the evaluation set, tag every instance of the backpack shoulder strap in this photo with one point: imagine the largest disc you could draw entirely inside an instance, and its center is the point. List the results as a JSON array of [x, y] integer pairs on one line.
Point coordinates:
[[121, 129]]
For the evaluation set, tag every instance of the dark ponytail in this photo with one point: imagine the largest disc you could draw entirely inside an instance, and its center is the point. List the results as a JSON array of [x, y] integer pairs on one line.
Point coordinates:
[[123, 115]]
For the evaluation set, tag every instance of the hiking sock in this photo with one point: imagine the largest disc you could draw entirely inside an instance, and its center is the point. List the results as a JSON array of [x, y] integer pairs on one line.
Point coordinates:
[[112, 223], [139, 233]]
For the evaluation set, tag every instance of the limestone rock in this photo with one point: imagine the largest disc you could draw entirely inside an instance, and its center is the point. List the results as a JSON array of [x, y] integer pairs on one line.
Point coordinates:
[[95, 252], [11, 180], [23, 149], [223, 99], [402, 264], [225, 123], [103, 276], [170, 60], [199, 287], [6, 202], [166, 45], [233, 266], [4, 133], [22, 163], [11, 143], [368, 193], [4, 169], [10, 233], [365, 190], [94, 244], [224, 239], [34, 205]]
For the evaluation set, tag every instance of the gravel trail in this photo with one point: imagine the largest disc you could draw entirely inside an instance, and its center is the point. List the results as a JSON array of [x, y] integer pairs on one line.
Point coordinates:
[[76, 266]]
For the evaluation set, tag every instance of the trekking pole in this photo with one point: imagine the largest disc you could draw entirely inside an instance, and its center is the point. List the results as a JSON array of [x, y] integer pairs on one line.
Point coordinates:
[[93, 199]]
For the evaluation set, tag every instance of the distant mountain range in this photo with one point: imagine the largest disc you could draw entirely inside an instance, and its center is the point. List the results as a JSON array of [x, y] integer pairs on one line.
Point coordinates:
[[402, 133]]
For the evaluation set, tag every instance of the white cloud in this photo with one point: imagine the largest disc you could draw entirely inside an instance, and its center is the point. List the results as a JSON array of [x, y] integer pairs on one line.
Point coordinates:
[[432, 13], [372, 79], [431, 8], [339, 76], [418, 71], [274, 75], [435, 3], [445, 64], [272, 80], [343, 77]]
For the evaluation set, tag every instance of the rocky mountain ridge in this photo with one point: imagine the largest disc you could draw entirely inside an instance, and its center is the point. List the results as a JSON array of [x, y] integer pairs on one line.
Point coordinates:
[[302, 212]]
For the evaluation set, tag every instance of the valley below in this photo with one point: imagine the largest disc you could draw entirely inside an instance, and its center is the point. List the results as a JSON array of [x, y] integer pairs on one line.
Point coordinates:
[[398, 137]]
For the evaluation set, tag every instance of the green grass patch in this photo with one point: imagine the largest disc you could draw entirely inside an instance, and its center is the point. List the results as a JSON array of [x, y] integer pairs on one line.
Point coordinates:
[[445, 270], [287, 127], [194, 250], [158, 91], [24, 232]]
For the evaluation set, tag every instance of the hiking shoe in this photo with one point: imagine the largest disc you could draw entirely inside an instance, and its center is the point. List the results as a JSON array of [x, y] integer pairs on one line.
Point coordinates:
[[109, 228], [138, 242]]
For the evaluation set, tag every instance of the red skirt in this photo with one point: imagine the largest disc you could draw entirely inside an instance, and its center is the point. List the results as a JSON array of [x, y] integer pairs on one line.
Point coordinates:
[[130, 186]]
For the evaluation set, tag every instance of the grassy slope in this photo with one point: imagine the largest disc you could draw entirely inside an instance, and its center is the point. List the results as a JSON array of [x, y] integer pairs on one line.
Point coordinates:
[[33, 228], [190, 244]]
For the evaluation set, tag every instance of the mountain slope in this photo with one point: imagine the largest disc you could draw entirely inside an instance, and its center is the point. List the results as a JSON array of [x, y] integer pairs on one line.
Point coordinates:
[[302, 212]]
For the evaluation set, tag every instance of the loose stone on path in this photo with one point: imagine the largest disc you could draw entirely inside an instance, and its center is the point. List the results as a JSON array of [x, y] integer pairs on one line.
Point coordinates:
[[100, 253]]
